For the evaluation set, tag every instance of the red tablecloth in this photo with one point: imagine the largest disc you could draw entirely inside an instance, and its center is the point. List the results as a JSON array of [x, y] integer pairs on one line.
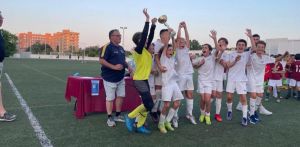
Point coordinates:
[[80, 88]]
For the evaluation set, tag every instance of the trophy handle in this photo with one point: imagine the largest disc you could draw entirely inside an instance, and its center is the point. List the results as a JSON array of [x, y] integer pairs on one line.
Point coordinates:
[[166, 25]]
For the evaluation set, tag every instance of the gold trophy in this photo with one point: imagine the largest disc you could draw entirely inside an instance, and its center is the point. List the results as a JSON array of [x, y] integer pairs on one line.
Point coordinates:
[[163, 20]]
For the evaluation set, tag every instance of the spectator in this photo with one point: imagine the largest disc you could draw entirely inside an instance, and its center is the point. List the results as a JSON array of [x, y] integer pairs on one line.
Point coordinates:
[[4, 115]]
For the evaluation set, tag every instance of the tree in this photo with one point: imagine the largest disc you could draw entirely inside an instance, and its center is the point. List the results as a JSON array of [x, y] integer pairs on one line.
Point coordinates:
[[39, 48], [92, 51], [195, 45], [10, 43]]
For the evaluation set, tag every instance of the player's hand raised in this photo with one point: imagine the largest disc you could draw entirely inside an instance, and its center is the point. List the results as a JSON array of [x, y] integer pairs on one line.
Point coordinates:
[[154, 20], [213, 34], [248, 33], [146, 14]]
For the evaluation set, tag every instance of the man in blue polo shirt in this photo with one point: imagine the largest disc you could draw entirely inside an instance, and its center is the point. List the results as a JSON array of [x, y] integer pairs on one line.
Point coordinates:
[[4, 116], [112, 59]]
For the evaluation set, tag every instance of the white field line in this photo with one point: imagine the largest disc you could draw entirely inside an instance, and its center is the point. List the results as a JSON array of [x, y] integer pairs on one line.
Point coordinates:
[[41, 135]]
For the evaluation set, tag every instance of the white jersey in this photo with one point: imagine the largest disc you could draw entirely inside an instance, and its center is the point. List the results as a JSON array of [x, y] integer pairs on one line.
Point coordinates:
[[170, 76], [184, 65], [256, 68], [219, 69], [238, 71], [153, 68], [206, 71], [157, 46]]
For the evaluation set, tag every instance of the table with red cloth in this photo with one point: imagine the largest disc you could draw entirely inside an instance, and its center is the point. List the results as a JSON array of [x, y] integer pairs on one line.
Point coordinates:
[[80, 88]]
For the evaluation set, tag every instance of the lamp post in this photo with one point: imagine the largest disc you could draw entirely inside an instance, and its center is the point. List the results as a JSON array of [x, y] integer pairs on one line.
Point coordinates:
[[123, 28], [83, 49]]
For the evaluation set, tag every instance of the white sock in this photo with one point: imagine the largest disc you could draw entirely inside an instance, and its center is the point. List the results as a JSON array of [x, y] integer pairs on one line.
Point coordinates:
[[275, 92], [161, 105], [258, 102], [170, 115], [244, 109], [252, 106], [202, 111], [155, 107], [218, 105], [239, 104], [229, 107], [189, 106], [162, 119], [176, 113], [158, 94], [207, 113], [158, 99], [136, 119]]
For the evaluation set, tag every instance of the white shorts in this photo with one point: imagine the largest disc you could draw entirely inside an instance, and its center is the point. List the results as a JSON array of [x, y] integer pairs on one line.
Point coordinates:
[[151, 84], [218, 85], [185, 82], [205, 87], [111, 89], [171, 93], [294, 83], [254, 87], [275, 83], [157, 79], [239, 86]]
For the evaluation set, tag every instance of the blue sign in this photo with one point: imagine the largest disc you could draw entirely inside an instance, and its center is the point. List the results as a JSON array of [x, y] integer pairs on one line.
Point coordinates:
[[95, 87]]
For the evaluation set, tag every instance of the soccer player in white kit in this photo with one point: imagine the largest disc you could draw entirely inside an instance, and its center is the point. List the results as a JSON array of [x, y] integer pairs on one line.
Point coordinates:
[[185, 71], [205, 65], [170, 89], [151, 81], [158, 44], [237, 78], [262, 109], [255, 74], [220, 66]]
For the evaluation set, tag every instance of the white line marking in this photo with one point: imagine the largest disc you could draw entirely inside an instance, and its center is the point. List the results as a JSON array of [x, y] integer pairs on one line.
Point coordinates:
[[41, 135]]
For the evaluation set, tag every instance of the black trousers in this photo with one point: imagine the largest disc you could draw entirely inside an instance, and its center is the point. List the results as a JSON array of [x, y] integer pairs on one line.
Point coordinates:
[[143, 88]]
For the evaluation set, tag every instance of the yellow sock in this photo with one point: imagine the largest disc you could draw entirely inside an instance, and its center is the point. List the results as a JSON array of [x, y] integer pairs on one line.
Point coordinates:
[[136, 111], [142, 118]]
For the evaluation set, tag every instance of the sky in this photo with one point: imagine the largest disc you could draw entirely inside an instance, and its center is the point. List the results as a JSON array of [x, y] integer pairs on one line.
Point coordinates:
[[93, 19]]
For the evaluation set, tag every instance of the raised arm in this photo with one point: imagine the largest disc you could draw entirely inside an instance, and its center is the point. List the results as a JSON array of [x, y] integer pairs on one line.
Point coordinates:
[[157, 61], [152, 29], [253, 44], [142, 42], [174, 44], [213, 35], [186, 33], [179, 31]]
